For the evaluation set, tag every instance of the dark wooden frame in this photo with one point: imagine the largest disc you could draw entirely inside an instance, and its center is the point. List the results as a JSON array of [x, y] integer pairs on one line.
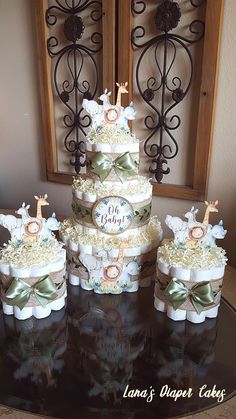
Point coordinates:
[[45, 65], [213, 24]]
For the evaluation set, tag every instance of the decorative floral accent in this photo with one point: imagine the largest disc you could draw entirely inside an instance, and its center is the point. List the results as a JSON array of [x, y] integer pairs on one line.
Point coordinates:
[[139, 185], [197, 257], [65, 97], [87, 95], [167, 16], [25, 254], [73, 28], [178, 95], [148, 95], [110, 134]]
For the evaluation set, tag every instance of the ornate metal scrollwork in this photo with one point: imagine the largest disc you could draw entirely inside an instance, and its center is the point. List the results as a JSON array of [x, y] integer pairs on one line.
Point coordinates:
[[70, 59], [161, 89]]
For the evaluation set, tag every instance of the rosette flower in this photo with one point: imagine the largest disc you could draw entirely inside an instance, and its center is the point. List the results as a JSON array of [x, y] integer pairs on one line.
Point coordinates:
[[167, 16]]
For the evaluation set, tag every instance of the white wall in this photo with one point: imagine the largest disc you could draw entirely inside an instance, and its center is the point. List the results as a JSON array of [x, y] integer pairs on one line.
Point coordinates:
[[222, 180], [21, 155], [21, 158]]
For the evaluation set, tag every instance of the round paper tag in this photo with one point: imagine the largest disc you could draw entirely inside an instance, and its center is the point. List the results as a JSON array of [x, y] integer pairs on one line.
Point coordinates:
[[112, 214], [33, 228], [112, 115], [197, 233]]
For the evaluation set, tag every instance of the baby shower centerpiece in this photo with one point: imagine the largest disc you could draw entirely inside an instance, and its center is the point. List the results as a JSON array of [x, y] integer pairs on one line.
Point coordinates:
[[190, 268], [32, 264], [111, 239]]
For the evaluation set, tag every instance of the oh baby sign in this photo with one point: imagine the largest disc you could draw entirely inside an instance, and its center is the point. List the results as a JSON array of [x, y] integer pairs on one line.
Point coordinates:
[[112, 214]]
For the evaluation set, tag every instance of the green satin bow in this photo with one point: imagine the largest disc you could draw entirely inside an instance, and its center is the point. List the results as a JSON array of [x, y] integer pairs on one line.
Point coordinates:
[[124, 166], [19, 292], [200, 295]]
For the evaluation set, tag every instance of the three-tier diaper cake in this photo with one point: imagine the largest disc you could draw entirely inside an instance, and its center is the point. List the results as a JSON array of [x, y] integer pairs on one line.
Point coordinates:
[[32, 264], [111, 239], [190, 268]]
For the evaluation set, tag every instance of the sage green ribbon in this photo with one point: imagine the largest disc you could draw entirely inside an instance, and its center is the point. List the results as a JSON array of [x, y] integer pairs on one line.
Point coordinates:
[[19, 292], [201, 295], [123, 165]]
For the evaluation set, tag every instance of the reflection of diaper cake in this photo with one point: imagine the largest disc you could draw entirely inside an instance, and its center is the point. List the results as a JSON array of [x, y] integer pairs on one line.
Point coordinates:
[[111, 240], [32, 265], [110, 337], [182, 352], [36, 348], [183, 357], [190, 268]]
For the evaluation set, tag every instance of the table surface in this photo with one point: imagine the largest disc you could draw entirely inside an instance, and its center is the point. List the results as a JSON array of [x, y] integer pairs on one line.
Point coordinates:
[[79, 360]]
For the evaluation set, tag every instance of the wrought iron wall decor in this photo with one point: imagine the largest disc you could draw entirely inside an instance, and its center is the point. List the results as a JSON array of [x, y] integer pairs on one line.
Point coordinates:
[[116, 26], [160, 144], [72, 55]]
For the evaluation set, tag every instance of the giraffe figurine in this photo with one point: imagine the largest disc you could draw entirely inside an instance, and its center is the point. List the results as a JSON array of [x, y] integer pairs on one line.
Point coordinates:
[[198, 231], [121, 253], [42, 201], [121, 90], [211, 207], [33, 228]]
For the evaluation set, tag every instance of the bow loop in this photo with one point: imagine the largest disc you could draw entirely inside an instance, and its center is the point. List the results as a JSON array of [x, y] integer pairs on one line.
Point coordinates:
[[19, 292], [201, 295], [124, 166]]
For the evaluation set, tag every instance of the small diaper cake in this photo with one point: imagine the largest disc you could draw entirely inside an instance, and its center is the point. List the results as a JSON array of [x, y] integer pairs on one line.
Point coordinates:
[[32, 264], [190, 268]]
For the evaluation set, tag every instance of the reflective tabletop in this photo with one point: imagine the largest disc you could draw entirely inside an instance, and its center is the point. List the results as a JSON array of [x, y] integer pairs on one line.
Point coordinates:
[[88, 360], [106, 356]]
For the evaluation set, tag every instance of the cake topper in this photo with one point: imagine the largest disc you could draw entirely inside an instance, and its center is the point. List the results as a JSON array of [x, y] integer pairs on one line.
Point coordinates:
[[108, 114], [192, 232], [27, 228]]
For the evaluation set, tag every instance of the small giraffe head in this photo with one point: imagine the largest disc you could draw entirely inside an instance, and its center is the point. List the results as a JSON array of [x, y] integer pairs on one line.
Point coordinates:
[[42, 200], [122, 87], [123, 246], [211, 206]]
